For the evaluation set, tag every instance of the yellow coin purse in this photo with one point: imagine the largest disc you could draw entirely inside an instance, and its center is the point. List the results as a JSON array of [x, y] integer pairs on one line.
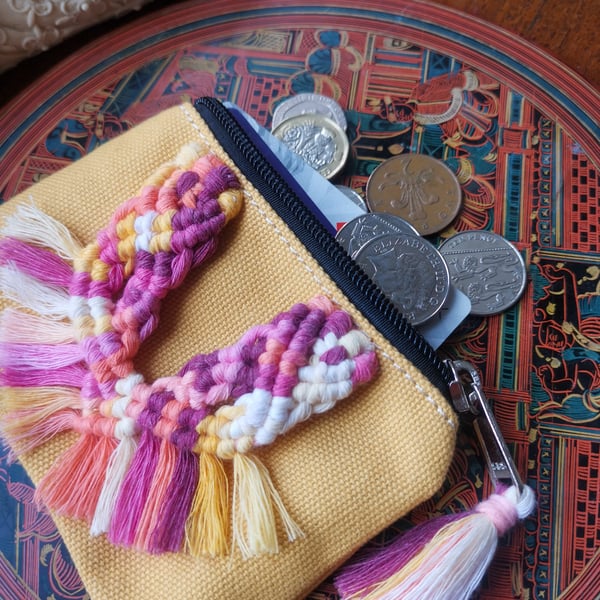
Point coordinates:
[[212, 399]]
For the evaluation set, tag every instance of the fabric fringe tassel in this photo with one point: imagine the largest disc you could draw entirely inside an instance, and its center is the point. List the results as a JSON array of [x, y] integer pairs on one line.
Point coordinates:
[[116, 472], [73, 484], [25, 357], [38, 263], [134, 491], [24, 328], [255, 505], [32, 226], [68, 376], [35, 415], [168, 534], [444, 558], [207, 527], [163, 475], [167, 502], [48, 300]]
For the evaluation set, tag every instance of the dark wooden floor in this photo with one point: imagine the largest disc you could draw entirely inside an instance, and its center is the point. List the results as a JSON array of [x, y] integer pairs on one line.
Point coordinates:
[[569, 30]]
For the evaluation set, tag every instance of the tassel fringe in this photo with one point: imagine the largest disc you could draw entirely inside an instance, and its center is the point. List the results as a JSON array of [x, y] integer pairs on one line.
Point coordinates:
[[207, 527], [37, 415], [49, 301], [85, 463], [255, 504], [163, 475], [168, 533], [31, 225], [116, 471], [134, 491], [24, 328], [444, 558]]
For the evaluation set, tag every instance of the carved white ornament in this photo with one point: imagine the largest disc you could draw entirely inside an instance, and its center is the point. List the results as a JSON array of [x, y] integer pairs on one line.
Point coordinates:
[[28, 27]]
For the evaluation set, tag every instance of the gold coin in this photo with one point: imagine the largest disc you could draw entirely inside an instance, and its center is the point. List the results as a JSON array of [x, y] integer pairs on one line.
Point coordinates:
[[419, 188], [321, 142]]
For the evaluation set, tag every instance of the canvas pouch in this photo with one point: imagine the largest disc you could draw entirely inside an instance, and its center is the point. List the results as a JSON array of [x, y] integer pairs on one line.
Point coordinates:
[[343, 474]]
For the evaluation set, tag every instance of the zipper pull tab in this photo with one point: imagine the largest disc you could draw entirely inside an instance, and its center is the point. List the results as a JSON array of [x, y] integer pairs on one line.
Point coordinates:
[[469, 401]]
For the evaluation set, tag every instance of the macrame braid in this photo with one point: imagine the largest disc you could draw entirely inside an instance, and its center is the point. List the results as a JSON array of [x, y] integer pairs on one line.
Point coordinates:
[[147, 467]]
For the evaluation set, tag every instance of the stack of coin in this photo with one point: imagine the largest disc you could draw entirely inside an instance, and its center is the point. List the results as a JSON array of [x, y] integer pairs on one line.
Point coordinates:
[[407, 197], [416, 276], [314, 126]]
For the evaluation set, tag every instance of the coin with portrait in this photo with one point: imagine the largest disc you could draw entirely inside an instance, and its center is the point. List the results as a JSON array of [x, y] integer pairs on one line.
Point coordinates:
[[362, 229], [410, 271]]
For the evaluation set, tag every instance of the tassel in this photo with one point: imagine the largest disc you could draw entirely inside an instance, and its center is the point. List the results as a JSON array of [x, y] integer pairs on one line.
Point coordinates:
[[168, 534], [31, 225], [207, 527], [134, 491], [36, 262], [47, 300], [255, 502], [21, 327], [115, 474], [163, 475], [35, 415], [23, 357], [444, 558], [72, 485], [68, 376], [125, 430]]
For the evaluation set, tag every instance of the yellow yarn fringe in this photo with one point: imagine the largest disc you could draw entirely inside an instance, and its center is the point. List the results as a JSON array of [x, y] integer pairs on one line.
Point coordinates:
[[255, 503], [207, 527], [25, 411], [40, 401]]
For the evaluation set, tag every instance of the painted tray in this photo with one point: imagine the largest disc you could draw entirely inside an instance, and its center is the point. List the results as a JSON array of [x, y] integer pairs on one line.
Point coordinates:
[[520, 131]]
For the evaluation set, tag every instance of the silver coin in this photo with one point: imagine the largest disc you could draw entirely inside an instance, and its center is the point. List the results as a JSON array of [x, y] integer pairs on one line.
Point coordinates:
[[487, 268], [353, 195], [307, 103], [410, 271], [320, 141], [362, 229]]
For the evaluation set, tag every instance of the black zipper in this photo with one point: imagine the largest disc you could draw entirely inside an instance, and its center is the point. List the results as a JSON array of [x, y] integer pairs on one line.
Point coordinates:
[[353, 282]]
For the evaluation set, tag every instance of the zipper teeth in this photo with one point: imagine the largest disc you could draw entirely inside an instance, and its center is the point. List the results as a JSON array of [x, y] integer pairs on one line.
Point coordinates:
[[361, 288]]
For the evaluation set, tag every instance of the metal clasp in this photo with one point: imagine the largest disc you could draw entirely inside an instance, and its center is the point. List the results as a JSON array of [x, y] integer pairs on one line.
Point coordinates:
[[469, 400]]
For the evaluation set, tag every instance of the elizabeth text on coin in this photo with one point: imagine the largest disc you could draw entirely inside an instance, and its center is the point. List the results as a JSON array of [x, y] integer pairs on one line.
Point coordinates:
[[409, 271], [362, 229]]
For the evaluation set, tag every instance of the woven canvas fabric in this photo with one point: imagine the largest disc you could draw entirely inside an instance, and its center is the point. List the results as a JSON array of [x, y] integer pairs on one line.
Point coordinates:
[[343, 475]]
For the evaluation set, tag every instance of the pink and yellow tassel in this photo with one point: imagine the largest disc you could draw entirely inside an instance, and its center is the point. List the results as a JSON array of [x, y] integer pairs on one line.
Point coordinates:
[[442, 559]]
